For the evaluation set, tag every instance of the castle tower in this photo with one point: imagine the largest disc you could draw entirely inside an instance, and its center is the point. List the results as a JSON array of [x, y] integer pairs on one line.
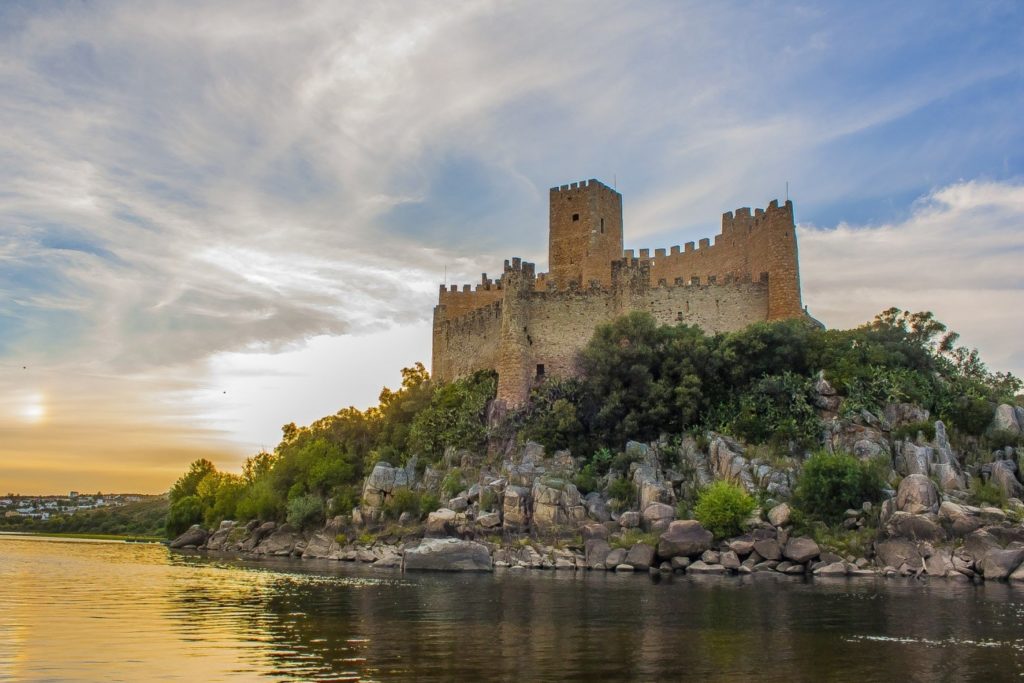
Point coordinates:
[[585, 233], [515, 353], [774, 251]]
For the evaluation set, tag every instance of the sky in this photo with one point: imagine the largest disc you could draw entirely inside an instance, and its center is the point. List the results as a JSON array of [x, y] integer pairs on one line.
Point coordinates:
[[218, 218]]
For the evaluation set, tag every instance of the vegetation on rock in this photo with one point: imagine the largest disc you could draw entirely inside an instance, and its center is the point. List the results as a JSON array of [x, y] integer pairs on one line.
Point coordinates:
[[722, 508]]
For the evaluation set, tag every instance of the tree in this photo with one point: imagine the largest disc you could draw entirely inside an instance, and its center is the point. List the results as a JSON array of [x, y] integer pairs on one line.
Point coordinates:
[[188, 482]]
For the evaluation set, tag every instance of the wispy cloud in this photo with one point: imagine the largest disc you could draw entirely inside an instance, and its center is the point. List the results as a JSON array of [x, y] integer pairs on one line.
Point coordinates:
[[958, 254]]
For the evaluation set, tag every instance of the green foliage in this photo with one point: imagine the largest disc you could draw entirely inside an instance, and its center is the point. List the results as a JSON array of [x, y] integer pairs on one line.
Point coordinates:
[[189, 482], [623, 492], [832, 483], [452, 484], [988, 493], [305, 510], [184, 512], [142, 519], [455, 416], [403, 500], [910, 431], [722, 508], [969, 414], [428, 503], [1001, 438], [551, 417], [488, 500], [777, 409], [627, 539]]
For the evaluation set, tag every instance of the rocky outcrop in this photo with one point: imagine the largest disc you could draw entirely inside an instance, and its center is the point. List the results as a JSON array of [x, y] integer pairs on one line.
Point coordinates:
[[685, 538], [556, 503], [657, 516], [1007, 419], [193, 538], [917, 493], [447, 555], [384, 480]]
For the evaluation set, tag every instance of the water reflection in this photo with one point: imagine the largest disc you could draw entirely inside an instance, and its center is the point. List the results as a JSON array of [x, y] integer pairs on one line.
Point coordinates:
[[106, 611]]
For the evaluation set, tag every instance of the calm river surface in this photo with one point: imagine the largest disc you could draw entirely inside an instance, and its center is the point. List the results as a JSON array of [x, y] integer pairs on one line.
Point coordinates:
[[78, 610]]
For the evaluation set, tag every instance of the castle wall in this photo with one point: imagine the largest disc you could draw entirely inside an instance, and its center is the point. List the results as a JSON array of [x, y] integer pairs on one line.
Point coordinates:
[[748, 246], [528, 326], [463, 345]]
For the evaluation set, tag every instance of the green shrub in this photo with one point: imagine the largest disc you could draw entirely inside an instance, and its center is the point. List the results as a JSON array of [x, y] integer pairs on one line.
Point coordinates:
[[988, 493], [627, 539], [911, 430], [305, 510], [970, 414], [1002, 438], [832, 483], [777, 409], [452, 484], [402, 500], [428, 503], [623, 491], [488, 500], [722, 507], [184, 512], [587, 479]]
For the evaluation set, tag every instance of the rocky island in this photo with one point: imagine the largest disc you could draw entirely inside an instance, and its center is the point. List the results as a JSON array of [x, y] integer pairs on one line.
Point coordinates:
[[672, 412]]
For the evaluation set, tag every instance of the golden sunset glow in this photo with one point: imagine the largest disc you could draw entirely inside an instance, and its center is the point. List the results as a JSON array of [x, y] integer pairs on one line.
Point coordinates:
[[34, 410]]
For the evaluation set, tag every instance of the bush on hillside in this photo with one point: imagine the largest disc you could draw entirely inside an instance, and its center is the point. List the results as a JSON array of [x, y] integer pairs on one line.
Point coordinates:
[[305, 511], [722, 507], [832, 483], [183, 513]]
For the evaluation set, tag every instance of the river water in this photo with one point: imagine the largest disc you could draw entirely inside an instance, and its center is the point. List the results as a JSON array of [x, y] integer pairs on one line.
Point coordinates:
[[92, 611]]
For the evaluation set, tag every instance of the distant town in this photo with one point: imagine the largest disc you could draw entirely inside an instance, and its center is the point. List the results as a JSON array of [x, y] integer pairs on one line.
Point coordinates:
[[43, 507]]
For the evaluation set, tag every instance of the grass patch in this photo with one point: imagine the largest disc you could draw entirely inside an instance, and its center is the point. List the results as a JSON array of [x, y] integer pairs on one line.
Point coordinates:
[[627, 539]]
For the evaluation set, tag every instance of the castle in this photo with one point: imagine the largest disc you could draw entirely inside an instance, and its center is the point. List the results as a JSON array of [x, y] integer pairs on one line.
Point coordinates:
[[528, 325]]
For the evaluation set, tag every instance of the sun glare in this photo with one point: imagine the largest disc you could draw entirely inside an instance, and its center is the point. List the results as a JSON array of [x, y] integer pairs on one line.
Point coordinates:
[[34, 409]]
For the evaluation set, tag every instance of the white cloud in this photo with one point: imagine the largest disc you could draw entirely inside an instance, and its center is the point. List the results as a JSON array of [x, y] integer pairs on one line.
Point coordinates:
[[958, 254]]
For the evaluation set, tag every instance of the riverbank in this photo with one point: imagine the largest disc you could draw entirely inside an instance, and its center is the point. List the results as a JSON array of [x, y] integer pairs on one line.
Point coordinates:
[[127, 538]]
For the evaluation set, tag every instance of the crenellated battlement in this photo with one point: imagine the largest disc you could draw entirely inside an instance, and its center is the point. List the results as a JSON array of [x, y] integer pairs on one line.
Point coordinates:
[[528, 325]]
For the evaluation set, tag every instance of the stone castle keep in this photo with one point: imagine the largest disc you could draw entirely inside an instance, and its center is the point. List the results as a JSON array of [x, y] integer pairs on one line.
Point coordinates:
[[528, 325]]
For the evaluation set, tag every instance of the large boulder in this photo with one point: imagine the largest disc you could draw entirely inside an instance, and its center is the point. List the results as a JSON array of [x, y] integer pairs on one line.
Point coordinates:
[[657, 516], [194, 537], [597, 507], [959, 519], [726, 457], [1005, 420], [999, 563], [896, 552], [516, 507], [219, 538], [280, 543], [640, 556], [1004, 474], [685, 537], [916, 527], [914, 459], [916, 494], [780, 514], [768, 548], [978, 543], [384, 480], [447, 555], [940, 563], [801, 549], [440, 522], [596, 551]]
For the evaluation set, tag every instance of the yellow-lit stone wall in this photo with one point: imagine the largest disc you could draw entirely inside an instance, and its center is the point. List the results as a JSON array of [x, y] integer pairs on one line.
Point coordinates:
[[528, 326]]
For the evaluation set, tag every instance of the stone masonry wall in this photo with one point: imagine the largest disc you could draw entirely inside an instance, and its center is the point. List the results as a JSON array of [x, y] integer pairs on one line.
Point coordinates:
[[527, 326]]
